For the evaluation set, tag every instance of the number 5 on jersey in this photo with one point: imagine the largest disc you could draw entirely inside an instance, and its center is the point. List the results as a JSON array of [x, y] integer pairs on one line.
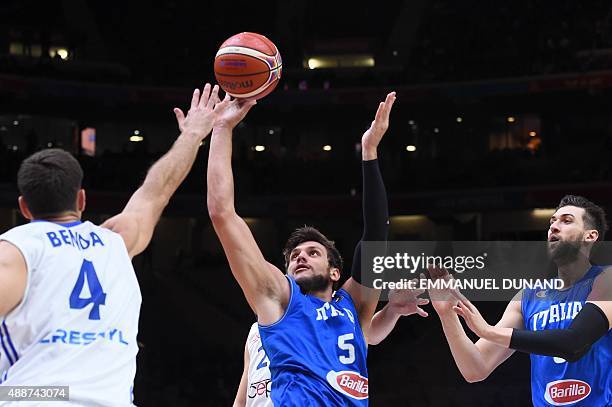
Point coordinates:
[[344, 344], [97, 295]]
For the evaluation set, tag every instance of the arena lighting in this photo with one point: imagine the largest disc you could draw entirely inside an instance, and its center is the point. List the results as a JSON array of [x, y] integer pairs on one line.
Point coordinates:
[[260, 148], [410, 148], [459, 119], [136, 139], [532, 134], [411, 122], [271, 131], [543, 212], [436, 130], [136, 132], [403, 219], [327, 147], [511, 119], [16, 122], [341, 61], [59, 51]]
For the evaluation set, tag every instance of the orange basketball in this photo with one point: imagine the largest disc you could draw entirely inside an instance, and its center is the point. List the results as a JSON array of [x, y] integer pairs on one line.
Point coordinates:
[[248, 65]]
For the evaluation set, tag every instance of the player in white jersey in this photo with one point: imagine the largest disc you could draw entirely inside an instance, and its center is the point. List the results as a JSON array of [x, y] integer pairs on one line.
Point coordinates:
[[256, 381], [69, 298]]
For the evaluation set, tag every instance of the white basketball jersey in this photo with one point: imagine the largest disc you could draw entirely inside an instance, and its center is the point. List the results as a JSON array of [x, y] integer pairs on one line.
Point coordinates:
[[259, 378], [77, 323]]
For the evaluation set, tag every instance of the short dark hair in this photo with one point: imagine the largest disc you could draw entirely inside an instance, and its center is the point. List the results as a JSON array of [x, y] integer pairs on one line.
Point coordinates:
[[49, 181], [310, 234], [594, 215]]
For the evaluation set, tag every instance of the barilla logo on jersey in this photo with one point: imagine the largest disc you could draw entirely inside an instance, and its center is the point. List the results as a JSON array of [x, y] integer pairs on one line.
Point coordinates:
[[349, 383], [563, 392]]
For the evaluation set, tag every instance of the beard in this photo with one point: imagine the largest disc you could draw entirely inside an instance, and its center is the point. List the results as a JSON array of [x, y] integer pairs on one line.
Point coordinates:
[[313, 284], [563, 252]]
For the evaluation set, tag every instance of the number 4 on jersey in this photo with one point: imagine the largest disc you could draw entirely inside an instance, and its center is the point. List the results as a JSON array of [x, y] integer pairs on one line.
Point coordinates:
[[98, 296]]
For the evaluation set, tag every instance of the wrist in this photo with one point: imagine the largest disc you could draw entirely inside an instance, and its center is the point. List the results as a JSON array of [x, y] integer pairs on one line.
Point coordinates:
[[445, 313], [193, 135], [223, 126], [368, 153]]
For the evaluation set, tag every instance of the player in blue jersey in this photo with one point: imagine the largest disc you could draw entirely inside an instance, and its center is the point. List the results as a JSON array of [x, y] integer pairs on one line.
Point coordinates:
[[314, 339], [255, 384], [567, 331], [69, 297]]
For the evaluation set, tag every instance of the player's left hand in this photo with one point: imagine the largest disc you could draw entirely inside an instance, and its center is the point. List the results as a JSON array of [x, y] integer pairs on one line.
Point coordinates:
[[371, 138], [407, 302], [472, 316]]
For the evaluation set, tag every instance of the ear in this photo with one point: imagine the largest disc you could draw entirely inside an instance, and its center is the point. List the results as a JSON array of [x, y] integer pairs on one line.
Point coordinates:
[[334, 274], [81, 200], [591, 235], [23, 208]]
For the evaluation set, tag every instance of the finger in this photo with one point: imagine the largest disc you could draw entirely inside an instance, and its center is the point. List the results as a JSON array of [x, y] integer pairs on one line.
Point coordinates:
[[387, 105], [205, 96], [379, 113], [422, 312], [466, 310], [214, 97], [195, 98], [180, 116], [457, 294], [469, 306], [422, 301], [459, 311]]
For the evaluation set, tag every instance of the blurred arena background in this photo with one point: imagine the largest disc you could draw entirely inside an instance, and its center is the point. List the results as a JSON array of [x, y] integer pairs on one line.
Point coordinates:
[[502, 109]]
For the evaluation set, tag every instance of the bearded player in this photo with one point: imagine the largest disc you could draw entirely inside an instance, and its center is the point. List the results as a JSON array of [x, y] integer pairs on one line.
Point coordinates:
[[566, 331], [314, 339]]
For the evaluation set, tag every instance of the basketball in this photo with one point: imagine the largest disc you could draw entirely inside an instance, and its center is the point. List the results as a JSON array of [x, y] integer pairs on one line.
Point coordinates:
[[248, 65]]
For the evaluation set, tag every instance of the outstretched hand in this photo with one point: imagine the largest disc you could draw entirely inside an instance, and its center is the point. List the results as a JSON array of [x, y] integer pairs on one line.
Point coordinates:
[[371, 138], [231, 112], [472, 317], [201, 115], [407, 302]]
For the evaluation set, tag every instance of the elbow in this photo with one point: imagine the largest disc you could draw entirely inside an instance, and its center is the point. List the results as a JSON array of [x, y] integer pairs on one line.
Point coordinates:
[[217, 211], [574, 355], [474, 377], [373, 341]]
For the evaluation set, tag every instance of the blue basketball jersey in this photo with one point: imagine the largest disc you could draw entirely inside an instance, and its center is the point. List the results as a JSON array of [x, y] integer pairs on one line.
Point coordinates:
[[555, 382], [317, 352]]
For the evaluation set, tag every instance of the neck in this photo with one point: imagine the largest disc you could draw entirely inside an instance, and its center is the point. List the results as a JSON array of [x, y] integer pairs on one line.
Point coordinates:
[[324, 295], [66, 217], [573, 271]]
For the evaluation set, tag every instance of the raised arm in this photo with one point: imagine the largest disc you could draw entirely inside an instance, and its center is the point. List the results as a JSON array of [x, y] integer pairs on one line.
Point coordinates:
[[476, 361], [265, 287], [375, 212], [138, 219]]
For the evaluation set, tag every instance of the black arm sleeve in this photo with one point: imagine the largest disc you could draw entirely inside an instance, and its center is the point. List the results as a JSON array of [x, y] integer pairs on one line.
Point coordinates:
[[570, 344], [375, 212]]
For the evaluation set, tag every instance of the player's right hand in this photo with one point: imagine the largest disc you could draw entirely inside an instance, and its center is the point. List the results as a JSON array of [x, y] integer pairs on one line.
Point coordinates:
[[231, 112], [202, 113]]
